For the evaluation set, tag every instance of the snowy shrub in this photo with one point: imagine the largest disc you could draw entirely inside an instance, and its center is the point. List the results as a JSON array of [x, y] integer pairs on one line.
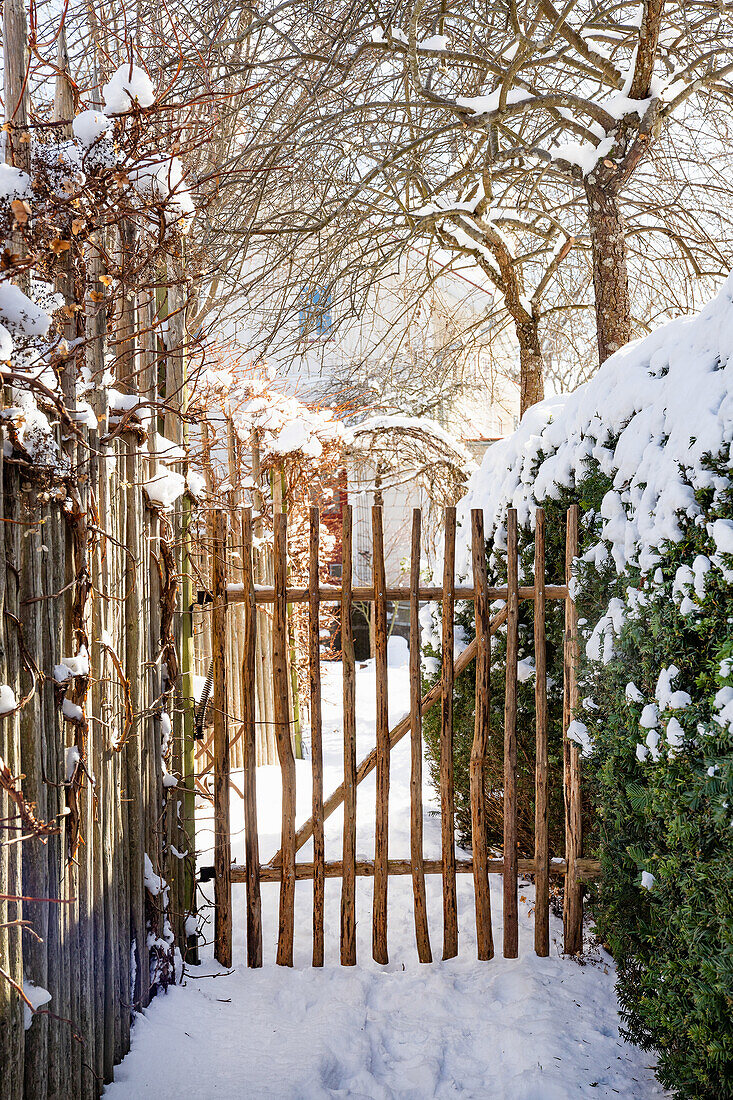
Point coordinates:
[[663, 797], [645, 449]]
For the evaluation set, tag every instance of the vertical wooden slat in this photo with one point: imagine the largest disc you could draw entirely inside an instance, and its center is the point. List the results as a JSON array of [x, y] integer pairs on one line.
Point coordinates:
[[249, 752], [511, 914], [541, 837], [447, 793], [314, 673], [381, 837], [416, 806], [484, 935], [284, 745], [222, 839], [348, 884], [573, 905]]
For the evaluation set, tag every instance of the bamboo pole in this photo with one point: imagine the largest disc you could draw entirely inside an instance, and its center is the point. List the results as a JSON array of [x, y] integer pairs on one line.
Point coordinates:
[[422, 934], [541, 837], [573, 905], [252, 856], [447, 793], [34, 855], [136, 746], [222, 841], [348, 886], [12, 1034], [511, 912], [314, 673], [381, 823], [482, 720], [284, 747]]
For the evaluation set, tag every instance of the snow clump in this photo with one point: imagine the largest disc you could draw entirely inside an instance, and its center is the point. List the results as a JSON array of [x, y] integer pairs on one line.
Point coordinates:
[[128, 87]]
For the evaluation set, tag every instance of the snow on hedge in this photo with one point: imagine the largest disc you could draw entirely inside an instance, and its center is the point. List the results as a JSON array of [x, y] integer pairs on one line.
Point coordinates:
[[652, 412]]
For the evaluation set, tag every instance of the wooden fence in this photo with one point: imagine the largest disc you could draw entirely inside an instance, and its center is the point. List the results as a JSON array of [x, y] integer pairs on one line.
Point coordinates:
[[284, 867], [87, 762]]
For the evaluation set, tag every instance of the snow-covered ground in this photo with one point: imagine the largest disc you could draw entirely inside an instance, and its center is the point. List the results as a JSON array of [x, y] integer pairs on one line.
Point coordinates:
[[521, 1029]]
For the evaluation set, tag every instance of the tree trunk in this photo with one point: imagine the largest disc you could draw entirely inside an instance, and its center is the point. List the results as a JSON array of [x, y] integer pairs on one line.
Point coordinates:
[[531, 365], [610, 277]]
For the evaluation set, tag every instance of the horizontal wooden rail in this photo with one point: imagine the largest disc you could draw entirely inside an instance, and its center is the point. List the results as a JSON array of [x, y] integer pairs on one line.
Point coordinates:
[[326, 594], [587, 869]]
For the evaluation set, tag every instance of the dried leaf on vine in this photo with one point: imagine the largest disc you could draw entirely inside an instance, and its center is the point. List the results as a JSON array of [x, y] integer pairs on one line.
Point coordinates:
[[21, 211]]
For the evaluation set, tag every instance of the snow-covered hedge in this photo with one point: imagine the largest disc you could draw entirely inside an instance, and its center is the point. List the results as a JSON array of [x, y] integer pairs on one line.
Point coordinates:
[[645, 448]]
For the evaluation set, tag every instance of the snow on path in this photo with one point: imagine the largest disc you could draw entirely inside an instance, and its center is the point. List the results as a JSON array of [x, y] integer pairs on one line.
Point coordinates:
[[520, 1029]]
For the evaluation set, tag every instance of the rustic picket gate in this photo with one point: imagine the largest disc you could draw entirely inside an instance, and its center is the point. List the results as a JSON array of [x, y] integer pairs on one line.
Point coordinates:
[[283, 867]]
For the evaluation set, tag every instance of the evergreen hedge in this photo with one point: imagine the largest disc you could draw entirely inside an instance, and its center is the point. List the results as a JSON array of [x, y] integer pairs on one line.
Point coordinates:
[[661, 797]]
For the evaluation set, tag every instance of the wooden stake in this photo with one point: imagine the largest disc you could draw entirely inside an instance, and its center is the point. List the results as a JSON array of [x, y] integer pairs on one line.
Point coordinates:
[[249, 748], [511, 912], [541, 837], [222, 839], [447, 794], [416, 807], [482, 720], [314, 673], [348, 885], [381, 825], [284, 745], [573, 905]]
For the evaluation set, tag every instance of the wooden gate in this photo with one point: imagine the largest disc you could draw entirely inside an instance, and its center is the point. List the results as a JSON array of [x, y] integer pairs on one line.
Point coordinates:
[[284, 867]]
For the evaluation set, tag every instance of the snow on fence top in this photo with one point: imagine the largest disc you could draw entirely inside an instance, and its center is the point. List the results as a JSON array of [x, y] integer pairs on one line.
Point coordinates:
[[649, 416]]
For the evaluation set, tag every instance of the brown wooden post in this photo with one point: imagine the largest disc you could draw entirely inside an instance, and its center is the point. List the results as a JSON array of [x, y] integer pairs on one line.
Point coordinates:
[[447, 793], [348, 883], [573, 905], [381, 826], [222, 838], [511, 912], [249, 751], [416, 806], [482, 720], [284, 744], [541, 837], [314, 674]]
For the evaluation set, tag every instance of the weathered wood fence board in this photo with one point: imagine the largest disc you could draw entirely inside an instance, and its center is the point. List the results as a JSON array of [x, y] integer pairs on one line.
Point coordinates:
[[511, 913], [314, 674], [541, 841], [252, 852], [447, 783], [482, 719], [348, 885], [422, 934], [284, 746], [87, 587], [381, 820], [284, 868], [573, 900]]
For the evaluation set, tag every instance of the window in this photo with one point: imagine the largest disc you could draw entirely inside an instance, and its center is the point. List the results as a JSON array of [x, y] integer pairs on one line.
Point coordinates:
[[335, 570], [315, 317]]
